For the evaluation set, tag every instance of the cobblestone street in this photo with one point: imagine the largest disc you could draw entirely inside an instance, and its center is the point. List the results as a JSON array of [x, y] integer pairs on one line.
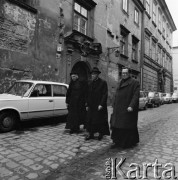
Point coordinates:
[[50, 153]]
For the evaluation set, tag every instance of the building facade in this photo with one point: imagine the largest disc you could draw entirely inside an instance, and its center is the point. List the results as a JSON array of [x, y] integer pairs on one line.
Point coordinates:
[[42, 39], [157, 62], [175, 67]]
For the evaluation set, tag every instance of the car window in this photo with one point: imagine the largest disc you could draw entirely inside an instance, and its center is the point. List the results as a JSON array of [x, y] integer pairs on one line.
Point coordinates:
[[41, 90], [59, 91]]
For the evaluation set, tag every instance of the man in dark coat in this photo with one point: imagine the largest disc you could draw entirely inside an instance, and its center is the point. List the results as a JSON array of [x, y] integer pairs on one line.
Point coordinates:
[[75, 100], [125, 112], [97, 114]]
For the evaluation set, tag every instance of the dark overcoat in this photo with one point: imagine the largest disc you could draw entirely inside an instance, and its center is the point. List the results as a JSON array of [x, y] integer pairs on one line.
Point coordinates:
[[127, 95], [97, 95], [76, 99]]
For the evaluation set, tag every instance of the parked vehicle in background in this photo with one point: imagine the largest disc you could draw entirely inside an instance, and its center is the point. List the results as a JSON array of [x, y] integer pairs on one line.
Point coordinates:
[[29, 99], [143, 100], [153, 99], [161, 97], [167, 98], [175, 97]]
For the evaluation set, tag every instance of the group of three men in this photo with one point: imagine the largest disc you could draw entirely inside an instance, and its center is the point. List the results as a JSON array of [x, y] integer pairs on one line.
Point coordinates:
[[87, 104]]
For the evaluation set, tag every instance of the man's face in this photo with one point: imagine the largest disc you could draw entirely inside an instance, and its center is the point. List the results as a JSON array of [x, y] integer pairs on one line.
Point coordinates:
[[125, 74], [94, 76], [74, 77]]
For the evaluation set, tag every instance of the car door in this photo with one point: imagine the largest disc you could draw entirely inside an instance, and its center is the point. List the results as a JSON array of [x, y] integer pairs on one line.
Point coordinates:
[[59, 96], [41, 102]]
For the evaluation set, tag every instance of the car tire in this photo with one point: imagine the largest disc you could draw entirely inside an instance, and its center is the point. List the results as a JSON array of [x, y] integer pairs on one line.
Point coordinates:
[[7, 121]]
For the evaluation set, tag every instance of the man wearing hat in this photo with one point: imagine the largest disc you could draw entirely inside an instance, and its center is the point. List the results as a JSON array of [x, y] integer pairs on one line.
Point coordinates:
[[125, 112], [75, 100], [97, 114]]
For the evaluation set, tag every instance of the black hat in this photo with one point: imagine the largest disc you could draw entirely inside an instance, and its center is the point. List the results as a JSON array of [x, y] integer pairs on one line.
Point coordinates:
[[73, 72], [95, 70]]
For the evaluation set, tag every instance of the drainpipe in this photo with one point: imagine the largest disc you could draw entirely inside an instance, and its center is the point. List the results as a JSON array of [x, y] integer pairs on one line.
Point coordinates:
[[142, 50]]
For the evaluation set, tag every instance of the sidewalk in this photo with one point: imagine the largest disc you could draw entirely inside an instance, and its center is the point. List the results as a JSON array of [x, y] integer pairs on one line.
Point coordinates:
[[158, 141]]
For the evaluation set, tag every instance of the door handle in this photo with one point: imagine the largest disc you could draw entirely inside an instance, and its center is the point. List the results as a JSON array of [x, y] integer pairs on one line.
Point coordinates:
[[50, 100]]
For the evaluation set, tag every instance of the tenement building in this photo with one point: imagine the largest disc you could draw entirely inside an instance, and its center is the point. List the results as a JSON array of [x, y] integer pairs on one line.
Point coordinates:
[[157, 62], [175, 67], [46, 39]]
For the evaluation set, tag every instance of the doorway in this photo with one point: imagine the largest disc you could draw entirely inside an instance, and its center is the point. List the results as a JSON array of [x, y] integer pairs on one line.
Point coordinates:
[[83, 70]]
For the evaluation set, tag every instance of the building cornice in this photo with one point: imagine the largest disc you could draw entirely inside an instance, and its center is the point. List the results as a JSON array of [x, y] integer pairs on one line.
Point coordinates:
[[140, 5], [168, 14]]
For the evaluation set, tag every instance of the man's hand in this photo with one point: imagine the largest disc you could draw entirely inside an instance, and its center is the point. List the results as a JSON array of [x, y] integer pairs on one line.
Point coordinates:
[[86, 108], [100, 107], [129, 109]]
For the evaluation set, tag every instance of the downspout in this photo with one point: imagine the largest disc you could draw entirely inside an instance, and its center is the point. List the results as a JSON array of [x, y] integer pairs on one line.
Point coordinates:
[[142, 49]]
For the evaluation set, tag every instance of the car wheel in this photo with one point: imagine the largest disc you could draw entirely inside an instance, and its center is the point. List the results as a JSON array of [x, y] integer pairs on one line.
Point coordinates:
[[7, 121]]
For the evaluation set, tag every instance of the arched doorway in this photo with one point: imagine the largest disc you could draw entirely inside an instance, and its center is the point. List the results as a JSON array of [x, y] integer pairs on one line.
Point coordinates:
[[83, 70]]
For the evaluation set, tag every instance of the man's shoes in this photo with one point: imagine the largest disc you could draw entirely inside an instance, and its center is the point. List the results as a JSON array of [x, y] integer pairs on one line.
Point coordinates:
[[100, 137], [91, 136]]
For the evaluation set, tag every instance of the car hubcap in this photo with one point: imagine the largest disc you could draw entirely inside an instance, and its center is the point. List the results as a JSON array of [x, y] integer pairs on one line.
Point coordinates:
[[7, 122]]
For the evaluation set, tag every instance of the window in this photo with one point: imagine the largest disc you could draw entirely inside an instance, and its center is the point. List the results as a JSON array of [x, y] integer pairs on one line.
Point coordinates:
[[59, 91], [148, 6], [159, 55], [164, 28], [154, 50], [154, 12], [147, 45], [80, 18], [135, 49], [125, 5], [163, 60], [159, 20], [136, 16], [41, 90]]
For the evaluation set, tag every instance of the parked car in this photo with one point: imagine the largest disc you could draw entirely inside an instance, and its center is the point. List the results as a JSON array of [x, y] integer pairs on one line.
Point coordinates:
[[161, 97], [143, 100], [167, 98], [29, 99], [175, 97], [153, 99]]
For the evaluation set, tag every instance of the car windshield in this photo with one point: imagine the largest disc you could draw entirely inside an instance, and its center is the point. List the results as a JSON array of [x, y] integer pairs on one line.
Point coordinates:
[[20, 89], [151, 94]]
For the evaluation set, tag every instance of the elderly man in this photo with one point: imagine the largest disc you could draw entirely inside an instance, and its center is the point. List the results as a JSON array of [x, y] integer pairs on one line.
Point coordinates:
[[125, 112], [97, 115], [75, 100]]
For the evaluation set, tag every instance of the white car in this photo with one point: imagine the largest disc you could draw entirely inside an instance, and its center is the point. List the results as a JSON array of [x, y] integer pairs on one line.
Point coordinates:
[[175, 97], [167, 98], [29, 99]]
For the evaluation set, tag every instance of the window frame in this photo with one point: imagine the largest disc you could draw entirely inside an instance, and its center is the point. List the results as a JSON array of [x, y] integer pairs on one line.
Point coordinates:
[[154, 12], [80, 18], [136, 16], [148, 6], [135, 42], [125, 5]]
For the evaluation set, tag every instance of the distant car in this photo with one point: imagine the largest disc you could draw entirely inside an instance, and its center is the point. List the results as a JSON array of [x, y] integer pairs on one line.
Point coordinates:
[[143, 100], [153, 99], [175, 97], [167, 98], [161, 97], [29, 99]]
